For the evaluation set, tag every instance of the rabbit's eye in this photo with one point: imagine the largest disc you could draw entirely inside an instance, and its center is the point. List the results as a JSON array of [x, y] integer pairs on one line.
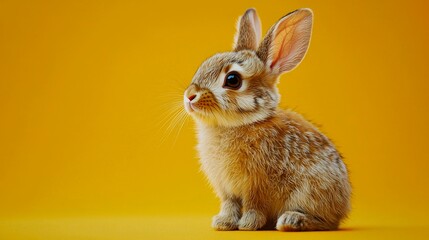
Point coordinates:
[[232, 81]]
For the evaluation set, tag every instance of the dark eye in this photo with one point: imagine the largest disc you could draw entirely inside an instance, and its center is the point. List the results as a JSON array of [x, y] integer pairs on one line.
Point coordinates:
[[232, 81]]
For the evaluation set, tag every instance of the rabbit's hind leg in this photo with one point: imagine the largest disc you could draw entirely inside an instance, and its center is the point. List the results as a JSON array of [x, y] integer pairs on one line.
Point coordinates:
[[298, 221]]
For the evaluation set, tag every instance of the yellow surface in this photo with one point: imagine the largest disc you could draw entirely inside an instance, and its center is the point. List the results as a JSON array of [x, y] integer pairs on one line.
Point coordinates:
[[180, 227], [87, 150]]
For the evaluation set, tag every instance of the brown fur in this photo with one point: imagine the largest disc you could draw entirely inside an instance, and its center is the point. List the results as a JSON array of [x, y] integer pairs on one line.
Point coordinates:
[[267, 165]]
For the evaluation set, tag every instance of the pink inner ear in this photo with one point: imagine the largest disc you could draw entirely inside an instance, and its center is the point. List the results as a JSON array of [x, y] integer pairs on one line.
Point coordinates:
[[256, 26], [283, 43], [290, 40], [280, 50]]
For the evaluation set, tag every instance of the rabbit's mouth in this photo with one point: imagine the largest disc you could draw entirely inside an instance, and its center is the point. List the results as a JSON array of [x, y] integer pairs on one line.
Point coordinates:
[[196, 110], [190, 108], [193, 109]]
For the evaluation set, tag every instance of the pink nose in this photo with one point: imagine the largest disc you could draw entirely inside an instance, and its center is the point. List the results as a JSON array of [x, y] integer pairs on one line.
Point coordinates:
[[192, 97]]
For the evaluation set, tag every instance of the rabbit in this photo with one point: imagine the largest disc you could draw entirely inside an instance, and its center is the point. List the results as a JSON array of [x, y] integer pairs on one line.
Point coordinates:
[[269, 167]]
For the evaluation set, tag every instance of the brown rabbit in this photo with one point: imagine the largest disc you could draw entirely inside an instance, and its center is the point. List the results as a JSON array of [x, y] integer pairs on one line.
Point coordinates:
[[267, 165]]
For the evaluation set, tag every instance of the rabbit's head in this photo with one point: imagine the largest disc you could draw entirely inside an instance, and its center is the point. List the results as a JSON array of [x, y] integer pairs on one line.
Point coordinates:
[[239, 87]]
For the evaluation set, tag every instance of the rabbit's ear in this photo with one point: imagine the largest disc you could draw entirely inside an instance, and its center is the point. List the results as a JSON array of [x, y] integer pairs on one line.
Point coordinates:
[[287, 41], [248, 31]]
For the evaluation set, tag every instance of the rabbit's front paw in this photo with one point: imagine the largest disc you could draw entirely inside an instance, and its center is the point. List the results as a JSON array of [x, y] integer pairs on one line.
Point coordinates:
[[225, 223], [252, 220]]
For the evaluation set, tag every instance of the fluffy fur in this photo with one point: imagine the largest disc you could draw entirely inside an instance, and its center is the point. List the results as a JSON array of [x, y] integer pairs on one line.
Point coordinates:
[[270, 167]]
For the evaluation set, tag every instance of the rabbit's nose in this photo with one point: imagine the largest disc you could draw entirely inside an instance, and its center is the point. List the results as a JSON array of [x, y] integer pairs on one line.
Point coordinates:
[[192, 97]]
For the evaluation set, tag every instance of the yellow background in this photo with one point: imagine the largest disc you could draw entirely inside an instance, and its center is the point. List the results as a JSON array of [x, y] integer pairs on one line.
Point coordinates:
[[87, 89]]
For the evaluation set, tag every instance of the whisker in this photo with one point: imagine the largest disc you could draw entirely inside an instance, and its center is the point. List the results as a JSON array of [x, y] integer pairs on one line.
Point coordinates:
[[169, 124], [183, 120], [172, 111], [173, 115]]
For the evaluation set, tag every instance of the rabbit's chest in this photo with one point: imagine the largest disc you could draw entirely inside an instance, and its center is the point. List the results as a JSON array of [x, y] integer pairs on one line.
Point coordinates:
[[227, 170], [235, 162]]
